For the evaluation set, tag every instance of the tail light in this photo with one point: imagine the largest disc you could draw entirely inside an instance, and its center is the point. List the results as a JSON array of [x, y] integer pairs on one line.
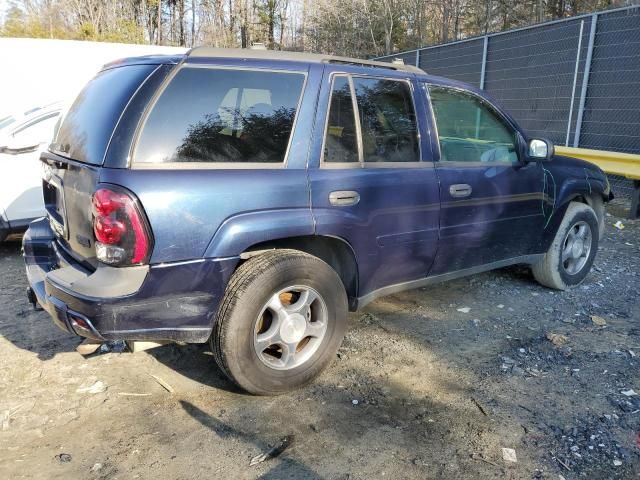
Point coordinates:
[[123, 236]]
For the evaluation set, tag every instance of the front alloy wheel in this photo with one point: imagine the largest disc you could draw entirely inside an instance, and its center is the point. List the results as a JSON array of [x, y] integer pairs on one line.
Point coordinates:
[[576, 248]]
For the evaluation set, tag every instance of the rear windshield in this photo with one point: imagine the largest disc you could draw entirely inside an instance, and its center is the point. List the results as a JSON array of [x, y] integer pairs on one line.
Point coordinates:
[[85, 132], [222, 116]]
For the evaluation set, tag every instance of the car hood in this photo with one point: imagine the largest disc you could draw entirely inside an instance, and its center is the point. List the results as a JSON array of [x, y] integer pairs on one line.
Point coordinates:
[[573, 164]]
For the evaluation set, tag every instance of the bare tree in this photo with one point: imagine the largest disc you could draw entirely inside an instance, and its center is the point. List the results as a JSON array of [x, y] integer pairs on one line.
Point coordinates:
[[350, 27]]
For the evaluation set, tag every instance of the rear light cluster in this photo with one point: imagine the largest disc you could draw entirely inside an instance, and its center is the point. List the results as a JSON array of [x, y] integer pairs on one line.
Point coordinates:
[[123, 236]]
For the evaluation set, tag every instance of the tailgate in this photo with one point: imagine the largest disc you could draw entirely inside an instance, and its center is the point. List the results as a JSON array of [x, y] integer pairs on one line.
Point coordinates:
[[68, 187]]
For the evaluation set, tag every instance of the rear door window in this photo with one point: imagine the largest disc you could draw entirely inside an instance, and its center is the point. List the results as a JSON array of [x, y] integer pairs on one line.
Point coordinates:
[[385, 115], [222, 116], [387, 120], [87, 128], [341, 139]]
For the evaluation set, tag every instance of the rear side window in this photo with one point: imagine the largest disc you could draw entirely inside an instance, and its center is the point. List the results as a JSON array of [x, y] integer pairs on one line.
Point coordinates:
[[87, 128], [222, 115]]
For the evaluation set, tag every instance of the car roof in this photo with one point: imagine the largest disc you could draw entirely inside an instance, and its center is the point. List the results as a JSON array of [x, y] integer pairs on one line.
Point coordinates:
[[262, 54]]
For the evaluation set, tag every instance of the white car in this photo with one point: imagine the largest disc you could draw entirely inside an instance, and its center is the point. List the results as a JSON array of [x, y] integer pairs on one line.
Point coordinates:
[[22, 139]]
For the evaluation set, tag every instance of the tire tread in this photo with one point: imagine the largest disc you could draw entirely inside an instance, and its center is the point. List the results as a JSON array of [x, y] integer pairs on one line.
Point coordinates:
[[546, 272], [236, 288]]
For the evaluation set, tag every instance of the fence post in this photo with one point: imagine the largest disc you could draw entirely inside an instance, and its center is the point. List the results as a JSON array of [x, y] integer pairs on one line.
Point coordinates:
[[585, 79], [634, 212], [484, 61], [573, 88], [418, 58]]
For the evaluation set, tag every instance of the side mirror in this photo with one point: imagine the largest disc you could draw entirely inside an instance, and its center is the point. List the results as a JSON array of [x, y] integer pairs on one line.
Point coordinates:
[[540, 149]]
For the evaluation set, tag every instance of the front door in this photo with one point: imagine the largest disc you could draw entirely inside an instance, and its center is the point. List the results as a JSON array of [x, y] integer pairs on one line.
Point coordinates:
[[492, 200], [375, 185]]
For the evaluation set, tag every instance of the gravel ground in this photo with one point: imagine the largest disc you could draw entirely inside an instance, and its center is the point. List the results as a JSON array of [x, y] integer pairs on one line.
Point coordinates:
[[421, 388]]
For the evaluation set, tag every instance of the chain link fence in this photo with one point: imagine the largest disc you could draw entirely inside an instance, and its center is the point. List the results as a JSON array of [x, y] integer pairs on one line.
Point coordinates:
[[575, 81]]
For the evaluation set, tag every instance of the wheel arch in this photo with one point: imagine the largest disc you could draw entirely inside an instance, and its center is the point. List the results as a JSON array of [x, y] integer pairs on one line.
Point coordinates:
[[334, 251], [596, 201], [590, 191]]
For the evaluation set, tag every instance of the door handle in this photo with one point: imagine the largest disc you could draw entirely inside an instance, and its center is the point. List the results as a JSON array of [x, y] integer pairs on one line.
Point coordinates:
[[460, 190], [344, 198]]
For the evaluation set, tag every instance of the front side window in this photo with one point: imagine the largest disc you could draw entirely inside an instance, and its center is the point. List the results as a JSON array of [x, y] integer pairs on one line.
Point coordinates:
[[387, 120], [222, 116], [470, 131]]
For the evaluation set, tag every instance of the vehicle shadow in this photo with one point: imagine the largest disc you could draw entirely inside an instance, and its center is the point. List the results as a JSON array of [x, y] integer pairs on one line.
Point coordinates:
[[419, 434], [20, 324], [196, 362], [287, 467]]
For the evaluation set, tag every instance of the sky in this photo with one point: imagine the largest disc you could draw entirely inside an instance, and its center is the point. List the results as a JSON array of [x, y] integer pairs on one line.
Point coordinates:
[[4, 4]]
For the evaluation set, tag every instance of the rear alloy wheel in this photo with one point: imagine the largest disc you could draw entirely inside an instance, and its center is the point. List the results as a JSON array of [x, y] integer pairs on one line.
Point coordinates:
[[280, 322], [570, 256], [290, 327]]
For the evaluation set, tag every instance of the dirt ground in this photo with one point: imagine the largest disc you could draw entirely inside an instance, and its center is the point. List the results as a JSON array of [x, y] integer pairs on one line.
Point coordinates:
[[421, 388]]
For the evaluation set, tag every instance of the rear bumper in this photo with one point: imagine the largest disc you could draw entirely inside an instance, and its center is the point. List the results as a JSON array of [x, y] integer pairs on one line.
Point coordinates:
[[175, 301]]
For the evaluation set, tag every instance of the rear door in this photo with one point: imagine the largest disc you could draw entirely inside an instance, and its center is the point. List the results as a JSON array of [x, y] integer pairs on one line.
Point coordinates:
[[492, 201], [375, 184]]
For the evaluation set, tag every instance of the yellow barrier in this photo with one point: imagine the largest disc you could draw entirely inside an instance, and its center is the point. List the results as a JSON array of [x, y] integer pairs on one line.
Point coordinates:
[[623, 164]]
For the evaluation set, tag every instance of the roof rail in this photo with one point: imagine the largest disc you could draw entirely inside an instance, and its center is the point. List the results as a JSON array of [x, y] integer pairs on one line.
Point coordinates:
[[210, 52], [357, 63]]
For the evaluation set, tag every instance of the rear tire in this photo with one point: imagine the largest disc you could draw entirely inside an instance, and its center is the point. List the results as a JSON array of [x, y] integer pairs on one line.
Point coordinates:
[[281, 321], [571, 254]]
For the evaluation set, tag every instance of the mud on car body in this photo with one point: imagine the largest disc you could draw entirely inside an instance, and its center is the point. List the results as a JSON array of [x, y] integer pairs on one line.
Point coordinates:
[[250, 199]]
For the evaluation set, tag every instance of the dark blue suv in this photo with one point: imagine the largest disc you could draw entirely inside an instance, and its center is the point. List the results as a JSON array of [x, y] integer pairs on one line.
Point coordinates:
[[251, 198]]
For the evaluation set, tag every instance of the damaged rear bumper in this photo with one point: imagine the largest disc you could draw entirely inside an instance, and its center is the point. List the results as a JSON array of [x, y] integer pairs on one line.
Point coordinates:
[[174, 301]]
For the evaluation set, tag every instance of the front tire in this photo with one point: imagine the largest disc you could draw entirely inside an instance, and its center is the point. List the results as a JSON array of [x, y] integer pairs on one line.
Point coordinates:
[[571, 254], [281, 321]]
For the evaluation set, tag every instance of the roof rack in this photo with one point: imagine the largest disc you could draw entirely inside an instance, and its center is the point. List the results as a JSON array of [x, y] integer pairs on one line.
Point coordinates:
[[211, 52]]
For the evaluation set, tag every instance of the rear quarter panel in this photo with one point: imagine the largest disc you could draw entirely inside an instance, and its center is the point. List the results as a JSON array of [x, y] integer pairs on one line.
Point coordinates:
[[196, 211], [187, 207]]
